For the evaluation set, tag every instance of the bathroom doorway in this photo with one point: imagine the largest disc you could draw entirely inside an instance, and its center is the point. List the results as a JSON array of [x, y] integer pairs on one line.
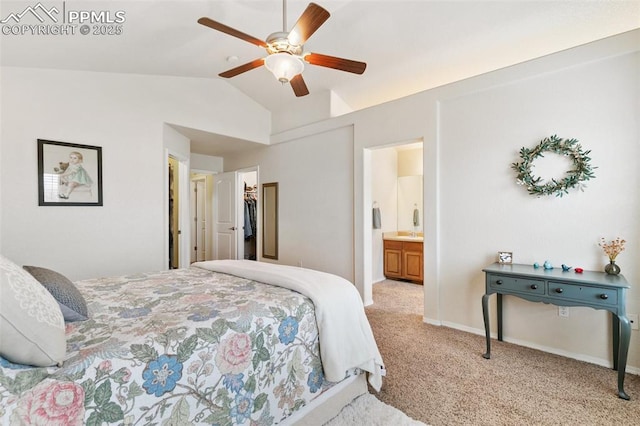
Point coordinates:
[[397, 188], [397, 194]]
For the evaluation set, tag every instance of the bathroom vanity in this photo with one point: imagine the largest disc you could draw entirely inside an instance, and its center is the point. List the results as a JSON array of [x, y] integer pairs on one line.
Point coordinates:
[[403, 256]]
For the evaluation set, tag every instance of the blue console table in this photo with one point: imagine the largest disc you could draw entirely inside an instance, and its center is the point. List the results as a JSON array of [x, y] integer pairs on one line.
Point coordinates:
[[594, 289]]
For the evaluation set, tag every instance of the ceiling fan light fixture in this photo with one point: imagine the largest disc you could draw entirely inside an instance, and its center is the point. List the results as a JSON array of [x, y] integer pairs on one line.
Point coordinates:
[[284, 66]]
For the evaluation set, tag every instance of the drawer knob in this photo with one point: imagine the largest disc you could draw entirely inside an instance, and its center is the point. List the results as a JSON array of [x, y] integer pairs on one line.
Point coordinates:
[[499, 282], [604, 296], [559, 290], [534, 286]]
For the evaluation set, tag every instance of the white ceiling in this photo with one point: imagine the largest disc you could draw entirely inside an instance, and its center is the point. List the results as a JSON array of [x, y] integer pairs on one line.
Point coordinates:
[[409, 46]]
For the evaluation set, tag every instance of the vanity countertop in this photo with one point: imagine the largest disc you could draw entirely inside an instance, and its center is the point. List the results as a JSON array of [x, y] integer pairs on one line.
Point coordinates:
[[403, 236]]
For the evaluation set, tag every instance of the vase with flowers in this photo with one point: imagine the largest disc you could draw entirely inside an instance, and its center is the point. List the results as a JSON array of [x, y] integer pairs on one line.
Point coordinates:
[[612, 249]]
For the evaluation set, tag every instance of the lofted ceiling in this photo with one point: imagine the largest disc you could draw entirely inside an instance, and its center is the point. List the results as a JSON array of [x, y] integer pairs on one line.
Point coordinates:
[[409, 46]]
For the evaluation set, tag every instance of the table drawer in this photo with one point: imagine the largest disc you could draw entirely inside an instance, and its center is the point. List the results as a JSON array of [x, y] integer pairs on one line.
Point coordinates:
[[592, 295], [520, 285]]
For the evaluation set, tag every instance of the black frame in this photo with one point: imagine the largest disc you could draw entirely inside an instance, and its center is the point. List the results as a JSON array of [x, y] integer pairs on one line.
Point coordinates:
[[270, 220], [92, 157]]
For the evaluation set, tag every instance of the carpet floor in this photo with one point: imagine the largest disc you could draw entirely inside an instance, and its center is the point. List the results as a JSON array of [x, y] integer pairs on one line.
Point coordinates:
[[437, 375]]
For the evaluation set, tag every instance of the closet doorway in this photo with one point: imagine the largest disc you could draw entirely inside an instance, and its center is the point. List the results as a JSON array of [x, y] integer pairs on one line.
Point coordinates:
[[174, 214], [235, 219], [177, 218]]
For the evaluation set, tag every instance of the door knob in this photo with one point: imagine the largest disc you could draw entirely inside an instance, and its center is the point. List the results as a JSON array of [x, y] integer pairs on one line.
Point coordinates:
[[233, 228]]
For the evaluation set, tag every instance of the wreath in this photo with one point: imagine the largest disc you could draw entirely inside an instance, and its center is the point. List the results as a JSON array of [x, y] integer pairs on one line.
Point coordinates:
[[581, 171]]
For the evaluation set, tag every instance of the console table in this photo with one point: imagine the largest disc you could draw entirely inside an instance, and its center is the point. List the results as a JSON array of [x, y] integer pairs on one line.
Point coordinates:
[[594, 289]]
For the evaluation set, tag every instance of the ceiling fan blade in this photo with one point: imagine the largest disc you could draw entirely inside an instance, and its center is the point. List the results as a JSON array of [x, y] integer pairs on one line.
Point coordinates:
[[336, 63], [242, 68], [299, 86], [310, 20], [231, 31]]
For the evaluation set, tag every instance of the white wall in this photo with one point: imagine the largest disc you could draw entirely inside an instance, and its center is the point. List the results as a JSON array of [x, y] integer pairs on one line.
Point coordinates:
[[124, 114], [300, 111], [597, 103], [472, 132], [206, 163], [315, 198], [410, 162]]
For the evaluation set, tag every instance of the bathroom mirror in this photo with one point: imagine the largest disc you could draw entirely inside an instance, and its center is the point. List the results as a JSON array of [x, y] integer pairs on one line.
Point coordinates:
[[409, 199], [270, 220]]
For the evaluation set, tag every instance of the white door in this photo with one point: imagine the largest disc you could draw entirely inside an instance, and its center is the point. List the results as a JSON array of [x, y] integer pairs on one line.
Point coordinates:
[[199, 220], [225, 227]]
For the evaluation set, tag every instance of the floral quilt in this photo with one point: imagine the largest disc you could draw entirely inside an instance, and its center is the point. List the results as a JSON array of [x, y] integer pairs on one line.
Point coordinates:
[[179, 347]]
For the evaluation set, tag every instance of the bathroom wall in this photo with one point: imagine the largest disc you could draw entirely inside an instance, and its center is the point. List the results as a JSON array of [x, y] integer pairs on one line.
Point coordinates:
[[410, 186], [410, 201], [410, 162]]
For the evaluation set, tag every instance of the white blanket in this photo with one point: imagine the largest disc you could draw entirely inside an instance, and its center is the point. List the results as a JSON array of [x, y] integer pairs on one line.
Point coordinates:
[[346, 339]]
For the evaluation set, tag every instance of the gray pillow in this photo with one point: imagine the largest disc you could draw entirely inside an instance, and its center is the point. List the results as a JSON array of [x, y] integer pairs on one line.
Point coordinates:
[[72, 304]]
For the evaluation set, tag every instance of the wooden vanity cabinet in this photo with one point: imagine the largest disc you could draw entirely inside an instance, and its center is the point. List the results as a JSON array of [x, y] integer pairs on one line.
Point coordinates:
[[403, 260], [392, 259]]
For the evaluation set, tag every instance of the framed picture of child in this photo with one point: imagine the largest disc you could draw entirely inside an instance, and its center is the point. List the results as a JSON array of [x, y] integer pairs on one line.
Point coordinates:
[[69, 174]]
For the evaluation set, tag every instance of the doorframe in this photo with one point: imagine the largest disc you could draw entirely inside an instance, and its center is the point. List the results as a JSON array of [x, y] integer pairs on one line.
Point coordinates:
[[184, 252], [207, 215], [431, 245], [209, 176], [367, 172]]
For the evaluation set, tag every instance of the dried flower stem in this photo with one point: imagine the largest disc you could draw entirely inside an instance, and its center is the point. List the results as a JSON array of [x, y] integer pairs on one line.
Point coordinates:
[[612, 248]]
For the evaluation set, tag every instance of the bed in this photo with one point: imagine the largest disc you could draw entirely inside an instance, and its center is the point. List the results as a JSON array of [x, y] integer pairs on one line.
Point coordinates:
[[221, 342]]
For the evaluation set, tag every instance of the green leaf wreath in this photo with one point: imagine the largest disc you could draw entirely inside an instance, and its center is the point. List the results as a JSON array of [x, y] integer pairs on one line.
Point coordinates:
[[582, 170]]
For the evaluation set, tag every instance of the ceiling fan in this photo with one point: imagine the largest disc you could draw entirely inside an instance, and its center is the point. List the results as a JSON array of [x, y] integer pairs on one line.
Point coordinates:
[[285, 55]]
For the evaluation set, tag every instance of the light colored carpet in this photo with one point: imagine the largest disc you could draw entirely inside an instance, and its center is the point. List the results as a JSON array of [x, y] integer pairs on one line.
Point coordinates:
[[437, 374], [367, 410]]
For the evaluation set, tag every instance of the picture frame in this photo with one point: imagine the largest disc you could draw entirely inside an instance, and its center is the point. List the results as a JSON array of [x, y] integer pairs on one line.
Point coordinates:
[[270, 220], [69, 174], [505, 257]]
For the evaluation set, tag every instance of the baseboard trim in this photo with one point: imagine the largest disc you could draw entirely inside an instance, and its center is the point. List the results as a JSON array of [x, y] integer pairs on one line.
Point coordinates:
[[577, 356], [432, 321]]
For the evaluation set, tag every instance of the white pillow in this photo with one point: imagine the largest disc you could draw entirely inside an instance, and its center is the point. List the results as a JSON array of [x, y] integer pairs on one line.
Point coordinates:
[[31, 322]]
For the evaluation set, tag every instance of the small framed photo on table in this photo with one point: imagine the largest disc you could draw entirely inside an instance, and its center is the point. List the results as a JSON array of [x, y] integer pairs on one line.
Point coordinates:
[[505, 257]]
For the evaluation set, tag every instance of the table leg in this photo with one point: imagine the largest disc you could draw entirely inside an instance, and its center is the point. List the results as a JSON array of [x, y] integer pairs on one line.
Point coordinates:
[[487, 329], [499, 296], [615, 323], [625, 336]]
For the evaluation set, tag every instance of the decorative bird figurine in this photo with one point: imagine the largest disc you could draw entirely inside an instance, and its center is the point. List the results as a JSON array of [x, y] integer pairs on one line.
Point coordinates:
[[565, 268], [547, 265]]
